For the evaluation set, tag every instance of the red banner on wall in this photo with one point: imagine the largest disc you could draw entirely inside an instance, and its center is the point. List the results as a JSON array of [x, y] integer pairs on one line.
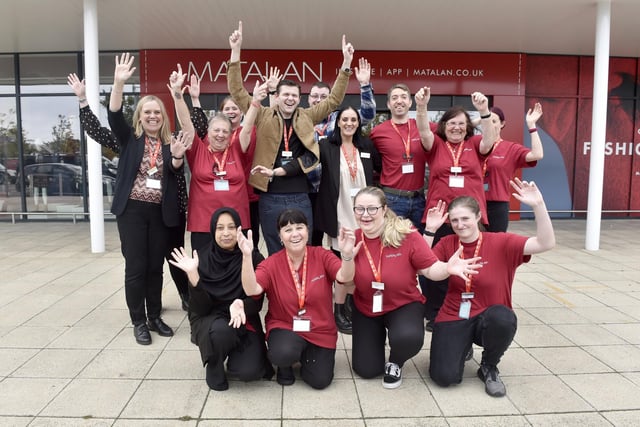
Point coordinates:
[[447, 73]]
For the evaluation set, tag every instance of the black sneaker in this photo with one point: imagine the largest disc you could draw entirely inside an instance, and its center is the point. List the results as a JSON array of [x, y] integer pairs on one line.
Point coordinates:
[[285, 376], [141, 333], [493, 385], [392, 375], [429, 326]]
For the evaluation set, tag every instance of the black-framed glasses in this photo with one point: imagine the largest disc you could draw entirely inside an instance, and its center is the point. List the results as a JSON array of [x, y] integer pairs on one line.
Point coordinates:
[[371, 210]]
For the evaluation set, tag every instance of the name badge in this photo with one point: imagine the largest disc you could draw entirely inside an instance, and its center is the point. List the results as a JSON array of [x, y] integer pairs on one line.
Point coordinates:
[[287, 153], [153, 183], [354, 191], [377, 285], [486, 186], [221, 173], [465, 309], [221, 185], [365, 155], [407, 168], [456, 169], [301, 324], [467, 295], [377, 302], [456, 181], [152, 171]]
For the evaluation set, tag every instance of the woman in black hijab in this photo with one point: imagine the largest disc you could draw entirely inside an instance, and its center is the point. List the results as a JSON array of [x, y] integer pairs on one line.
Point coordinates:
[[225, 323]]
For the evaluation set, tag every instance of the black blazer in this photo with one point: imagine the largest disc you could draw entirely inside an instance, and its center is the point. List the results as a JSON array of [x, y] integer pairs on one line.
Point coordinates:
[[131, 152], [325, 215]]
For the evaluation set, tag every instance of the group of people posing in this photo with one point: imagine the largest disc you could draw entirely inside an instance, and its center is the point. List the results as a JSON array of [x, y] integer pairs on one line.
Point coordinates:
[[397, 256]]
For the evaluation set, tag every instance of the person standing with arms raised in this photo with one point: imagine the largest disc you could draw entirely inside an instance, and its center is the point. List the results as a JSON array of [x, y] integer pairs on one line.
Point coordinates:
[[286, 150]]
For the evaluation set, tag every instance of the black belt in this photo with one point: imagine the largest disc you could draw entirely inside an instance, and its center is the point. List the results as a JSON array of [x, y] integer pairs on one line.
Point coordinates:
[[403, 193]]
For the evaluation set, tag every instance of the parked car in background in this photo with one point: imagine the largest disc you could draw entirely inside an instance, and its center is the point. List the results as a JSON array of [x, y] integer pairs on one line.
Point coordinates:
[[60, 179], [7, 176]]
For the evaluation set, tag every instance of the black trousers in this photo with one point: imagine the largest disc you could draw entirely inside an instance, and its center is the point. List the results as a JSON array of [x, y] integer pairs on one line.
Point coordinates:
[[241, 348], [498, 216], [435, 290], [317, 363], [176, 240], [493, 329], [405, 329], [143, 239], [254, 216]]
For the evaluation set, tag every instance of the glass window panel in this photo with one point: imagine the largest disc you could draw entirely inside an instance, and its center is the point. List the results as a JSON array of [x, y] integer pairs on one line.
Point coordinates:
[[40, 73], [7, 75], [8, 155]]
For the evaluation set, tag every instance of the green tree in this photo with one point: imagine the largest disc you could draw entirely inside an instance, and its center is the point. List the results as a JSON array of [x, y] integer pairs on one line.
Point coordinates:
[[63, 140]]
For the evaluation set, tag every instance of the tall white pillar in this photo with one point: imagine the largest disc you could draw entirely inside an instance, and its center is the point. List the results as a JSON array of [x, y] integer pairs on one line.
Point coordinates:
[[94, 151], [598, 125]]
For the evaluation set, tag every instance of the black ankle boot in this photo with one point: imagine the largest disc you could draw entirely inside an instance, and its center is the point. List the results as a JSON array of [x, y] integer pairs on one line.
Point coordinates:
[[348, 307], [343, 324]]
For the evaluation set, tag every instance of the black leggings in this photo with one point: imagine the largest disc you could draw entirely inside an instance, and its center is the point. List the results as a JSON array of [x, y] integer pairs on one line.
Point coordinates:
[[317, 363], [492, 329], [406, 335], [498, 216]]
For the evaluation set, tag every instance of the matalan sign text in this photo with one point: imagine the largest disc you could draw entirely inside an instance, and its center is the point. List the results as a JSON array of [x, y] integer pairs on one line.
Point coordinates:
[[301, 71]]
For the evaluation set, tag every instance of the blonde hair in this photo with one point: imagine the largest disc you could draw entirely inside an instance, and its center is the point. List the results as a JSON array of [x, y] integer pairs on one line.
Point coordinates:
[[395, 228], [165, 130]]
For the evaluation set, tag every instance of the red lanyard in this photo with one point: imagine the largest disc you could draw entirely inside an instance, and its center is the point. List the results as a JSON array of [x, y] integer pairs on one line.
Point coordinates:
[[286, 136], [152, 157], [353, 164], [484, 165], [222, 162], [235, 135], [456, 154], [377, 272], [476, 252], [300, 287], [406, 142]]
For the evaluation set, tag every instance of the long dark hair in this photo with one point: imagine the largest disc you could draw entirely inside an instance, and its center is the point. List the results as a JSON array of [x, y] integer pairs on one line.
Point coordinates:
[[336, 138]]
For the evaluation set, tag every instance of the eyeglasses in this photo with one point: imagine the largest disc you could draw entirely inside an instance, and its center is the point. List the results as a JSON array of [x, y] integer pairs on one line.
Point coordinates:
[[371, 210]]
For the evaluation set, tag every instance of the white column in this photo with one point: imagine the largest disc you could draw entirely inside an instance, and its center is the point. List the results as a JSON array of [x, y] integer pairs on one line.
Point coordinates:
[[94, 151], [598, 125]]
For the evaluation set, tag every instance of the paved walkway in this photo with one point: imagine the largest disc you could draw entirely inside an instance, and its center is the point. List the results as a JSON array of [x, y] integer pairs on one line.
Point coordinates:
[[68, 357]]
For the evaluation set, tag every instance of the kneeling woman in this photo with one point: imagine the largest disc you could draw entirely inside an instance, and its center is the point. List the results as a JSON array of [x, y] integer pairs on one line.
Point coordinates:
[[479, 310], [386, 298], [225, 323], [298, 282]]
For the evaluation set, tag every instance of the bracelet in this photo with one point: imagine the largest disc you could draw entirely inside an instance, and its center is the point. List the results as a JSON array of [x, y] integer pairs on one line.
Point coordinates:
[[532, 130], [487, 116], [81, 100], [429, 233], [256, 104], [344, 258], [177, 158]]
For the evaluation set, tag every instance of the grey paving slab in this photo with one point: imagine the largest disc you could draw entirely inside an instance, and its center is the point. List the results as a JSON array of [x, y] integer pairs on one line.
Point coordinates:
[[68, 357]]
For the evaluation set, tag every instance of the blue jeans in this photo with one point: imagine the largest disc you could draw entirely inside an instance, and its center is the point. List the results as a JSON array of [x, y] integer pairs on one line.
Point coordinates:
[[411, 208], [270, 206]]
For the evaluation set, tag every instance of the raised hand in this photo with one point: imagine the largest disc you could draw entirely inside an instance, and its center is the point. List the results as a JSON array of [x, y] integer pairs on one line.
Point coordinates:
[[77, 86], [124, 68], [436, 216], [363, 72], [176, 80], [245, 243], [463, 268], [527, 192], [194, 86], [423, 96], [183, 261], [181, 143], [235, 39], [347, 243], [347, 52], [260, 91], [533, 115], [480, 102], [273, 78]]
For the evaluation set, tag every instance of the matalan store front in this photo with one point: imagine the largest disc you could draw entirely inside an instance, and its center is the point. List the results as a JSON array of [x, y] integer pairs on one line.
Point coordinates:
[[514, 82]]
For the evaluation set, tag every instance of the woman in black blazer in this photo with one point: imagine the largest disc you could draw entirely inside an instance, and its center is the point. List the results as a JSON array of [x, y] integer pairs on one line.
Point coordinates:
[[348, 163], [145, 200]]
